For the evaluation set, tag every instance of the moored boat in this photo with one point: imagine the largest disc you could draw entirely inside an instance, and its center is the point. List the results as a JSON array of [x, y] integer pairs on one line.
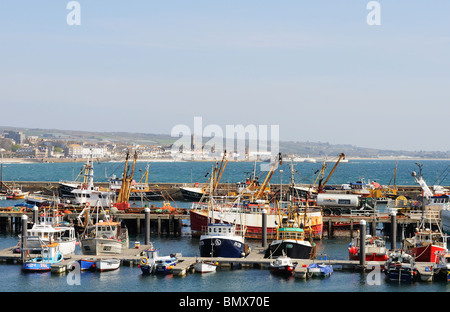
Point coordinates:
[[400, 267], [249, 215], [375, 249], [221, 240], [165, 266], [442, 267], [205, 266], [152, 262], [192, 193], [41, 259], [282, 265], [320, 270], [103, 265], [104, 237], [424, 245], [290, 241], [87, 264]]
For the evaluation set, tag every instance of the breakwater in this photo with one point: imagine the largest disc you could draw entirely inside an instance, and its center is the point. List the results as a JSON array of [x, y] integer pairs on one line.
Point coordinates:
[[172, 190]]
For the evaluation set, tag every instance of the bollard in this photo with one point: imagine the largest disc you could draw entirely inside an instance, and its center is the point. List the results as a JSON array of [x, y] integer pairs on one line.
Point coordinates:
[[147, 226], [362, 243], [393, 230], [24, 237], [35, 215], [264, 229]]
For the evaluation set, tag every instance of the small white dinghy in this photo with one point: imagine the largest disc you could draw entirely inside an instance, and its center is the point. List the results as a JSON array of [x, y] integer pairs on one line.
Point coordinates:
[[205, 266], [107, 264]]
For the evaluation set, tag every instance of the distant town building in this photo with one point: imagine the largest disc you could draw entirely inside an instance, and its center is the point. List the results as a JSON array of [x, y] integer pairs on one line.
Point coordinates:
[[78, 151], [17, 136]]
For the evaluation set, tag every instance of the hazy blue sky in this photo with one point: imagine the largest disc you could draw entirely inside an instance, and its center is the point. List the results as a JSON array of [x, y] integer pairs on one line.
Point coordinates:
[[315, 68]]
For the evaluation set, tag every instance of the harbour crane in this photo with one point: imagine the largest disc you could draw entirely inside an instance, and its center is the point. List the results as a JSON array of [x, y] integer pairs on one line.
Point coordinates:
[[321, 186]]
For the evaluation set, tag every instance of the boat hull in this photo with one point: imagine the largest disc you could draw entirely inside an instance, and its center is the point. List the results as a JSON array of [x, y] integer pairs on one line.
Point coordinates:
[[107, 264], [101, 246], [87, 264], [221, 246], [36, 267], [205, 267], [291, 248], [402, 275], [369, 257], [191, 194], [426, 253], [282, 270]]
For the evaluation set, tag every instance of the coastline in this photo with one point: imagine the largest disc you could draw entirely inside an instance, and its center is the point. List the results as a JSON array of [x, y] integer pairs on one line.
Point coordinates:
[[318, 160]]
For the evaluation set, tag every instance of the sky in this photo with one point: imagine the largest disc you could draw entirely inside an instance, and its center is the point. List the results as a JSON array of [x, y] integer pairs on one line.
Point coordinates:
[[317, 69]]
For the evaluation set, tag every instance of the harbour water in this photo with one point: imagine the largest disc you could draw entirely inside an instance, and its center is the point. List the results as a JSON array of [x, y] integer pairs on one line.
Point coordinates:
[[381, 171], [236, 280]]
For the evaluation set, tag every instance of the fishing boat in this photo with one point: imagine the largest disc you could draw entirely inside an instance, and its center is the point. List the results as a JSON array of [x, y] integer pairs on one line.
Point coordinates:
[[192, 193], [320, 270], [138, 190], [442, 267], [290, 237], [205, 266], [400, 267], [221, 240], [105, 237], [249, 215], [41, 259], [282, 265], [88, 194], [17, 193], [66, 188], [375, 249], [289, 240], [103, 265], [63, 235], [246, 210], [424, 245]]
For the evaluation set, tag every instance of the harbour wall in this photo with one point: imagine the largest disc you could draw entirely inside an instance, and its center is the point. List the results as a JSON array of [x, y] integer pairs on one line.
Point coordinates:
[[172, 190]]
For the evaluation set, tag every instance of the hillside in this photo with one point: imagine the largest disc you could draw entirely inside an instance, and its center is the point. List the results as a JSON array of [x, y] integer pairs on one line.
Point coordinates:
[[303, 149]]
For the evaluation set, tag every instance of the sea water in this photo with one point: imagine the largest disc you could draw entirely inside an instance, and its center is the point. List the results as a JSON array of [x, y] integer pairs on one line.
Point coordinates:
[[381, 171]]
